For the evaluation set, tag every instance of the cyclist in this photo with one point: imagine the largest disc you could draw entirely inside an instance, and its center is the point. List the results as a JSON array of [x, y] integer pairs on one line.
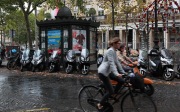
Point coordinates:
[[110, 64]]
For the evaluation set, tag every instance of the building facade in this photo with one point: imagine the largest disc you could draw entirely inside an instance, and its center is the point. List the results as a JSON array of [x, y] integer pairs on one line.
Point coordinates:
[[126, 26]]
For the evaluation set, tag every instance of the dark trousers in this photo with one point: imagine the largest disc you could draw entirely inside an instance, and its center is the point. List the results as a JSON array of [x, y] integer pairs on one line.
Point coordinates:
[[127, 68], [118, 79], [108, 87]]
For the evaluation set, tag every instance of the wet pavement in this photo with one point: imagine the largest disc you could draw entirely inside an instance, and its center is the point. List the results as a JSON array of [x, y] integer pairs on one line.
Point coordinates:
[[58, 92]]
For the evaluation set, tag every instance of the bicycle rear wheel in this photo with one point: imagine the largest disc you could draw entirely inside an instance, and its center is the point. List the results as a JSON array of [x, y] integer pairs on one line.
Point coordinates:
[[89, 96], [137, 102]]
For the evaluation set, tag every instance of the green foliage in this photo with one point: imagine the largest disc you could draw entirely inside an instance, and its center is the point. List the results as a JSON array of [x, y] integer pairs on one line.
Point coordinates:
[[41, 15], [15, 21], [71, 3], [47, 15], [92, 11], [55, 3], [27, 7]]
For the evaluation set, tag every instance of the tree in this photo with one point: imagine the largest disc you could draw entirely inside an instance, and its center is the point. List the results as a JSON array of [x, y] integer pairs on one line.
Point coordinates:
[[41, 15], [120, 6], [92, 11], [70, 3], [47, 15], [27, 7], [15, 21], [112, 4]]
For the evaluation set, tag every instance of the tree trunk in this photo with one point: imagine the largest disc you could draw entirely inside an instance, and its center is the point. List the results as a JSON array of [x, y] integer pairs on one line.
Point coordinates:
[[28, 30]]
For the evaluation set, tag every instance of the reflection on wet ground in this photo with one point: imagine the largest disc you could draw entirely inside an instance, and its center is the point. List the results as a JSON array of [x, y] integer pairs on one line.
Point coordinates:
[[54, 94], [19, 92]]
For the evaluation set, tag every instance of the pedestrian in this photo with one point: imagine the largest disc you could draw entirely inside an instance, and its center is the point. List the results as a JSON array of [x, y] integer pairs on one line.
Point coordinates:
[[109, 65]]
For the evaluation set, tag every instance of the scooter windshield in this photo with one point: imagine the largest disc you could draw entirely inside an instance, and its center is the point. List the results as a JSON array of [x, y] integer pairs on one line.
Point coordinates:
[[54, 54], [84, 54], [37, 54], [143, 54], [166, 54], [25, 55], [71, 54]]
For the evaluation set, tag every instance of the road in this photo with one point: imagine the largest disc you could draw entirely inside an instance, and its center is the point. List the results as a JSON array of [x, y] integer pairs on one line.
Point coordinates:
[[57, 92]]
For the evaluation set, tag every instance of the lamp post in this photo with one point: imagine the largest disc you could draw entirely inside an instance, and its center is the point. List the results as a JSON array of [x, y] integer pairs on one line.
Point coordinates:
[[156, 40], [112, 5], [126, 34]]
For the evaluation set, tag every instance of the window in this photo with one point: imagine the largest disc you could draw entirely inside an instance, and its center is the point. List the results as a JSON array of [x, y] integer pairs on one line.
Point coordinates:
[[101, 12]]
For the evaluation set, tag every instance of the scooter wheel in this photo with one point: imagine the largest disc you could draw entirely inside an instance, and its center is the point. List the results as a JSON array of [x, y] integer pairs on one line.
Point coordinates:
[[69, 69], [178, 68], [168, 76], [21, 68], [149, 89], [85, 70], [51, 68], [33, 69]]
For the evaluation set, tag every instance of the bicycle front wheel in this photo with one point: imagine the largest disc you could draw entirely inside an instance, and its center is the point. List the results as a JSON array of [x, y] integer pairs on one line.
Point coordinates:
[[89, 96], [137, 102]]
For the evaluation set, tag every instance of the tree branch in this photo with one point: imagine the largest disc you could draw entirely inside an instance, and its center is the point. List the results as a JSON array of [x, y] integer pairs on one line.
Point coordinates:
[[21, 5], [29, 6], [37, 4]]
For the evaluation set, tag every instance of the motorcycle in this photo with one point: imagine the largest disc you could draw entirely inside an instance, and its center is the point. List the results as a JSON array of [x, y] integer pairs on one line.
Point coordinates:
[[26, 59], [14, 61], [54, 61], [38, 60], [158, 64], [84, 63], [70, 61]]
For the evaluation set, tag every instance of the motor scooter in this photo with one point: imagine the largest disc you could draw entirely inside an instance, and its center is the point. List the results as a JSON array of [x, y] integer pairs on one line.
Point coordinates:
[[157, 63], [26, 59], [38, 61], [13, 59], [70, 62], [54, 61], [84, 64]]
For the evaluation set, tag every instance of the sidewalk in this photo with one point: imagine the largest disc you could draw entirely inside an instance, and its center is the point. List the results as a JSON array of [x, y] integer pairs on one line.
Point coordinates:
[[93, 67]]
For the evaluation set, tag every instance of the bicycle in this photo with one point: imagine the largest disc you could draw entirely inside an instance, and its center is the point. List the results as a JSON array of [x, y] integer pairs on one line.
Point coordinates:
[[131, 99]]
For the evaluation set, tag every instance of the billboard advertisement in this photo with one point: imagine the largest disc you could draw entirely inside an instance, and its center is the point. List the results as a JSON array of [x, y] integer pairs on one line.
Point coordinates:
[[54, 39]]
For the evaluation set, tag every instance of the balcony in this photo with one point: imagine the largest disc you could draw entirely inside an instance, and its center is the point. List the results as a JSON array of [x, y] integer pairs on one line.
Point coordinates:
[[96, 18]]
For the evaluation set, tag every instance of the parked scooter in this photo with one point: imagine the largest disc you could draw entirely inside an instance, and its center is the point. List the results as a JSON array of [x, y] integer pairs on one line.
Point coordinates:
[[54, 61], [159, 64], [84, 64], [13, 59], [26, 59], [38, 61], [70, 61]]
